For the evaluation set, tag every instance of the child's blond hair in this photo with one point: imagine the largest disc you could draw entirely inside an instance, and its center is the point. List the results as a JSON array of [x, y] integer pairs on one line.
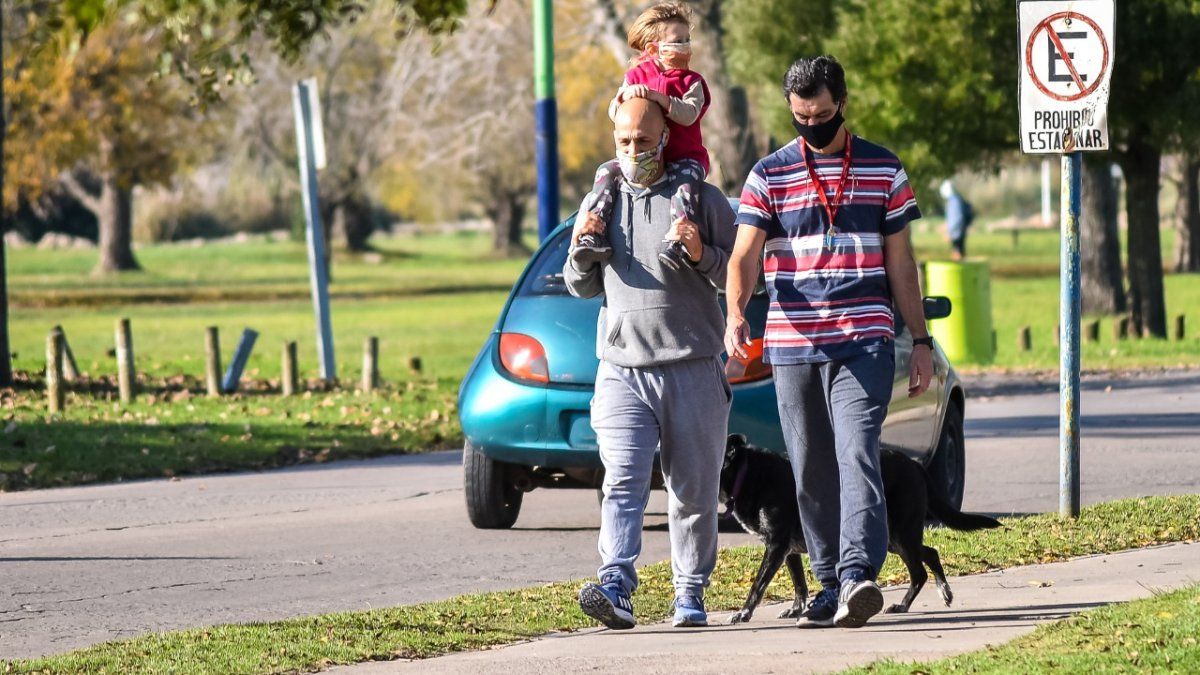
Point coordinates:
[[649, 25]]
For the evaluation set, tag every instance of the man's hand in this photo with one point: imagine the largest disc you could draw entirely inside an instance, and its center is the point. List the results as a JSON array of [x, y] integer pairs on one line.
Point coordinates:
[[686, 231], [920, 370], [587, 223], [737, 335]]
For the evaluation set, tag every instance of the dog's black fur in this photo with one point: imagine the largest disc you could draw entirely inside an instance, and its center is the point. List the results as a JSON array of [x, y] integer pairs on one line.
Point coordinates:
[[765, 505]]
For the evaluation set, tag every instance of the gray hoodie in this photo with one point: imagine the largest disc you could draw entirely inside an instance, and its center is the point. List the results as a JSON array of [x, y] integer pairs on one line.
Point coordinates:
[[653, 315]]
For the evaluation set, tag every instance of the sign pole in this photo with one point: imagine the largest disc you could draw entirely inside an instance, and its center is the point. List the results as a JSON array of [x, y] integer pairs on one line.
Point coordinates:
[[1069, 313], [545, 115], [1065, 57], [311, 154]]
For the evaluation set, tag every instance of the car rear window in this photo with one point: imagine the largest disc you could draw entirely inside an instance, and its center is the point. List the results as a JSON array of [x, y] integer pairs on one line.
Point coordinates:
[[545, 272]]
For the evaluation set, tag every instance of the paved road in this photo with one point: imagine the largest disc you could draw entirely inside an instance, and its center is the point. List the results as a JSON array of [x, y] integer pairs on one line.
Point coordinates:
[[84, 565]]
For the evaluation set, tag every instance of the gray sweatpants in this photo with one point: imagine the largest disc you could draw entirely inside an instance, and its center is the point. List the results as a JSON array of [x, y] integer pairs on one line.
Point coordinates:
[[683, 406], [832, 415]]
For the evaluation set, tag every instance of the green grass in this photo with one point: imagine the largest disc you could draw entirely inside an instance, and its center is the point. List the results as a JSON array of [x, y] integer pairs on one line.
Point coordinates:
[[1158, 634], [481, 620], [262, 271], [172, 431], [1025, 292]]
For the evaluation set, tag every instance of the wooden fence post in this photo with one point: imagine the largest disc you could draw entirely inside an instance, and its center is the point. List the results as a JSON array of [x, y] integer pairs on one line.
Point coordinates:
[[126, 372], [370, 372], [1179, 327], [1025, 339], [414, 364], [1092, 331], [54, 371], [289, 376], [70, 368], [212, 361]]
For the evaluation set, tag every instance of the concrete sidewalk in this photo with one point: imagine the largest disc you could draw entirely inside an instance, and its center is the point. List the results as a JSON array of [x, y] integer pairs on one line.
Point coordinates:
[[989, 609]]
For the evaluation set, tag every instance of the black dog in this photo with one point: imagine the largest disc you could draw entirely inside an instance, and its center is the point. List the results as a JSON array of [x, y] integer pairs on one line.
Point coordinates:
[[759, 489]]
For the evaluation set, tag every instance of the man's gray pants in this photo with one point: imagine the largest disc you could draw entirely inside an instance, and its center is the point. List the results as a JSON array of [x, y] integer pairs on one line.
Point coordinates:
[[832, 415], [685, 407]]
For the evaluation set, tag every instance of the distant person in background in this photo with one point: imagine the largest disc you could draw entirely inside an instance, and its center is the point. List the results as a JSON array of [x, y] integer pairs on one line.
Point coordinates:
[[959, 215]]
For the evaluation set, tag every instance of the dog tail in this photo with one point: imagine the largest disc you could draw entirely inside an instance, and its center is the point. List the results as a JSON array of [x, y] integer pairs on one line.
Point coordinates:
[[952, 517]]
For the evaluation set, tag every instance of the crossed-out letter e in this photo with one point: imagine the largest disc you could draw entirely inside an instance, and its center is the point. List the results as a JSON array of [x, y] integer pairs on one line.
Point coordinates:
[[1055, 56]]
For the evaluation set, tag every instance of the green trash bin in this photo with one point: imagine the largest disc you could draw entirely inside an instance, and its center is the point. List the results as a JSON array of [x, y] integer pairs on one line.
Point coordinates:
[[965, 335]]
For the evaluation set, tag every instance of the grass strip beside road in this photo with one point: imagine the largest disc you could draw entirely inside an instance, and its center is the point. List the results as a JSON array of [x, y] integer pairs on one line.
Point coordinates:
[[481, 620], [172, 431], [1157, 634]]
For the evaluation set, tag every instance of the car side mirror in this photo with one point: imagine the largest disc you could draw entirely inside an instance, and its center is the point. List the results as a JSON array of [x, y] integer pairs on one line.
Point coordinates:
[[937, 307]]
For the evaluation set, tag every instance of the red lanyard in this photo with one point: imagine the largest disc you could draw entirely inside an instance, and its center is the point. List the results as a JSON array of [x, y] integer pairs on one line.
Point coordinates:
[[830, 209]]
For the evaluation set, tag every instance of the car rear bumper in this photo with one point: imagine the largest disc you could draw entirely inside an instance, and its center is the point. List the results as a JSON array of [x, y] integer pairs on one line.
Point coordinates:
[[550, 426]]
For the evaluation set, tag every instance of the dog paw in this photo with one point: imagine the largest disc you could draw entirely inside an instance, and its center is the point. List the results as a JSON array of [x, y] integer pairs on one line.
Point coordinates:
[[947, 595], [896, 609], [791, 613], [740, 617]]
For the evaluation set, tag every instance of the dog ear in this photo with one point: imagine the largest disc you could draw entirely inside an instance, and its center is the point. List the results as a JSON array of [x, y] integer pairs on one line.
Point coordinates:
[[734, 443]]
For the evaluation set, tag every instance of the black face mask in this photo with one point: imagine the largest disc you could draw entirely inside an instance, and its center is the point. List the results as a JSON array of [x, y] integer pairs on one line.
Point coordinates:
[[820, 135]]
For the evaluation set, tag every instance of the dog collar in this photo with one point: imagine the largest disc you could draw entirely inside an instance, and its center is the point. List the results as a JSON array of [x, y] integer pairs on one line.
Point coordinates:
[[737, 486]]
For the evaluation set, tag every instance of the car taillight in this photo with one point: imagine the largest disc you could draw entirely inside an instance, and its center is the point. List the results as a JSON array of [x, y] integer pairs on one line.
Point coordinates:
[[524, 357], [748, 369]]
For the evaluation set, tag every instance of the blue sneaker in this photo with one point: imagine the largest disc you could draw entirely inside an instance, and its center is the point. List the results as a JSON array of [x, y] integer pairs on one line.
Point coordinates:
[[608, 603], [820, 612], [689, 611]]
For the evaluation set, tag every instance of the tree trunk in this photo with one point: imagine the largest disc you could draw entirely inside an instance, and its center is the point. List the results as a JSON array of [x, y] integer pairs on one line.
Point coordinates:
[[1142, 172], [6, 375], [730, 137], [1100, 245], [115, 219], [1187, 212], [353, 223], [507, 212]]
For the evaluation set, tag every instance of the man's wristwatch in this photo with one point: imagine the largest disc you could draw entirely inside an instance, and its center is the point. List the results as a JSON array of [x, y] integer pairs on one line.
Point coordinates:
[[927, 341]]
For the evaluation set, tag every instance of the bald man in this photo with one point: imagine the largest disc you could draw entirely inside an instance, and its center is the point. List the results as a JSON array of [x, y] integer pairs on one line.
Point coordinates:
[[661, 383]]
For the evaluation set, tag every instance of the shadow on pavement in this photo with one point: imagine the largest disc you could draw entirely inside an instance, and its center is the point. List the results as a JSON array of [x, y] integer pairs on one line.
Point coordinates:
[[87, 558], [1161, 425]]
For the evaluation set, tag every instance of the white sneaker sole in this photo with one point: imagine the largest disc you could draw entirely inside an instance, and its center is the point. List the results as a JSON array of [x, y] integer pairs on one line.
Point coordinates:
[[864, 602], [595, 604]]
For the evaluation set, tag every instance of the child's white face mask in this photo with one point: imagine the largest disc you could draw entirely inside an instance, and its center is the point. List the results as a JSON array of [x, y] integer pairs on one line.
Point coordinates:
[[640, 168]]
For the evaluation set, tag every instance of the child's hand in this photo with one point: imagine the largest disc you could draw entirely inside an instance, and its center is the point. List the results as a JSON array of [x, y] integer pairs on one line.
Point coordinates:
[[644, 91], [636, 91]]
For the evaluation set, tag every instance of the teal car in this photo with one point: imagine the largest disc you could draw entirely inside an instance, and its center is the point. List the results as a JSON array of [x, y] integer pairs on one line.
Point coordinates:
[[524, 402]]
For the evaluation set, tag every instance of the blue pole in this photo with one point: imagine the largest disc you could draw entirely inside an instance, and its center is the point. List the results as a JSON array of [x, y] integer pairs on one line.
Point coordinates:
[[1069, 313], [545, 116], [319, 273], [233, 374]]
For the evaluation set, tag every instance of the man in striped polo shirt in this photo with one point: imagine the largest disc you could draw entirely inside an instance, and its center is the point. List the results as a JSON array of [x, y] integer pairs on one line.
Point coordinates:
[[829, 214]]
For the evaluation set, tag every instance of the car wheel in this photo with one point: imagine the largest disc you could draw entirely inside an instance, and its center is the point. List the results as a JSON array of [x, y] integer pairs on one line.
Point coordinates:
[[493, 501], [948, 468]]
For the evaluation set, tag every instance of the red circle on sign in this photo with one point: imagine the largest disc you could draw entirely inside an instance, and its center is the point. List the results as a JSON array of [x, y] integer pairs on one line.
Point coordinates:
[[1045, 25]]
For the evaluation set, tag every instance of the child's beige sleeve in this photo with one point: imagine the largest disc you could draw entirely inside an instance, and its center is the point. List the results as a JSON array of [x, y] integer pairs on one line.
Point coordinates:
[[685, 110]]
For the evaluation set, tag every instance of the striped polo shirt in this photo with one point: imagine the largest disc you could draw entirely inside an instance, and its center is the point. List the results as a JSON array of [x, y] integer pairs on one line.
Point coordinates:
[[827, 305]]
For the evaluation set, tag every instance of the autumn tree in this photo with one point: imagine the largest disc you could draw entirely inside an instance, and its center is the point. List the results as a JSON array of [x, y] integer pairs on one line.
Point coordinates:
[[97, 122]]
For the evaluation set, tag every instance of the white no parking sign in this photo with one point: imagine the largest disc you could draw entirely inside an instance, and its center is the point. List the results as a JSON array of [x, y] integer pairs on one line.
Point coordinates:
[[1066, 55]]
